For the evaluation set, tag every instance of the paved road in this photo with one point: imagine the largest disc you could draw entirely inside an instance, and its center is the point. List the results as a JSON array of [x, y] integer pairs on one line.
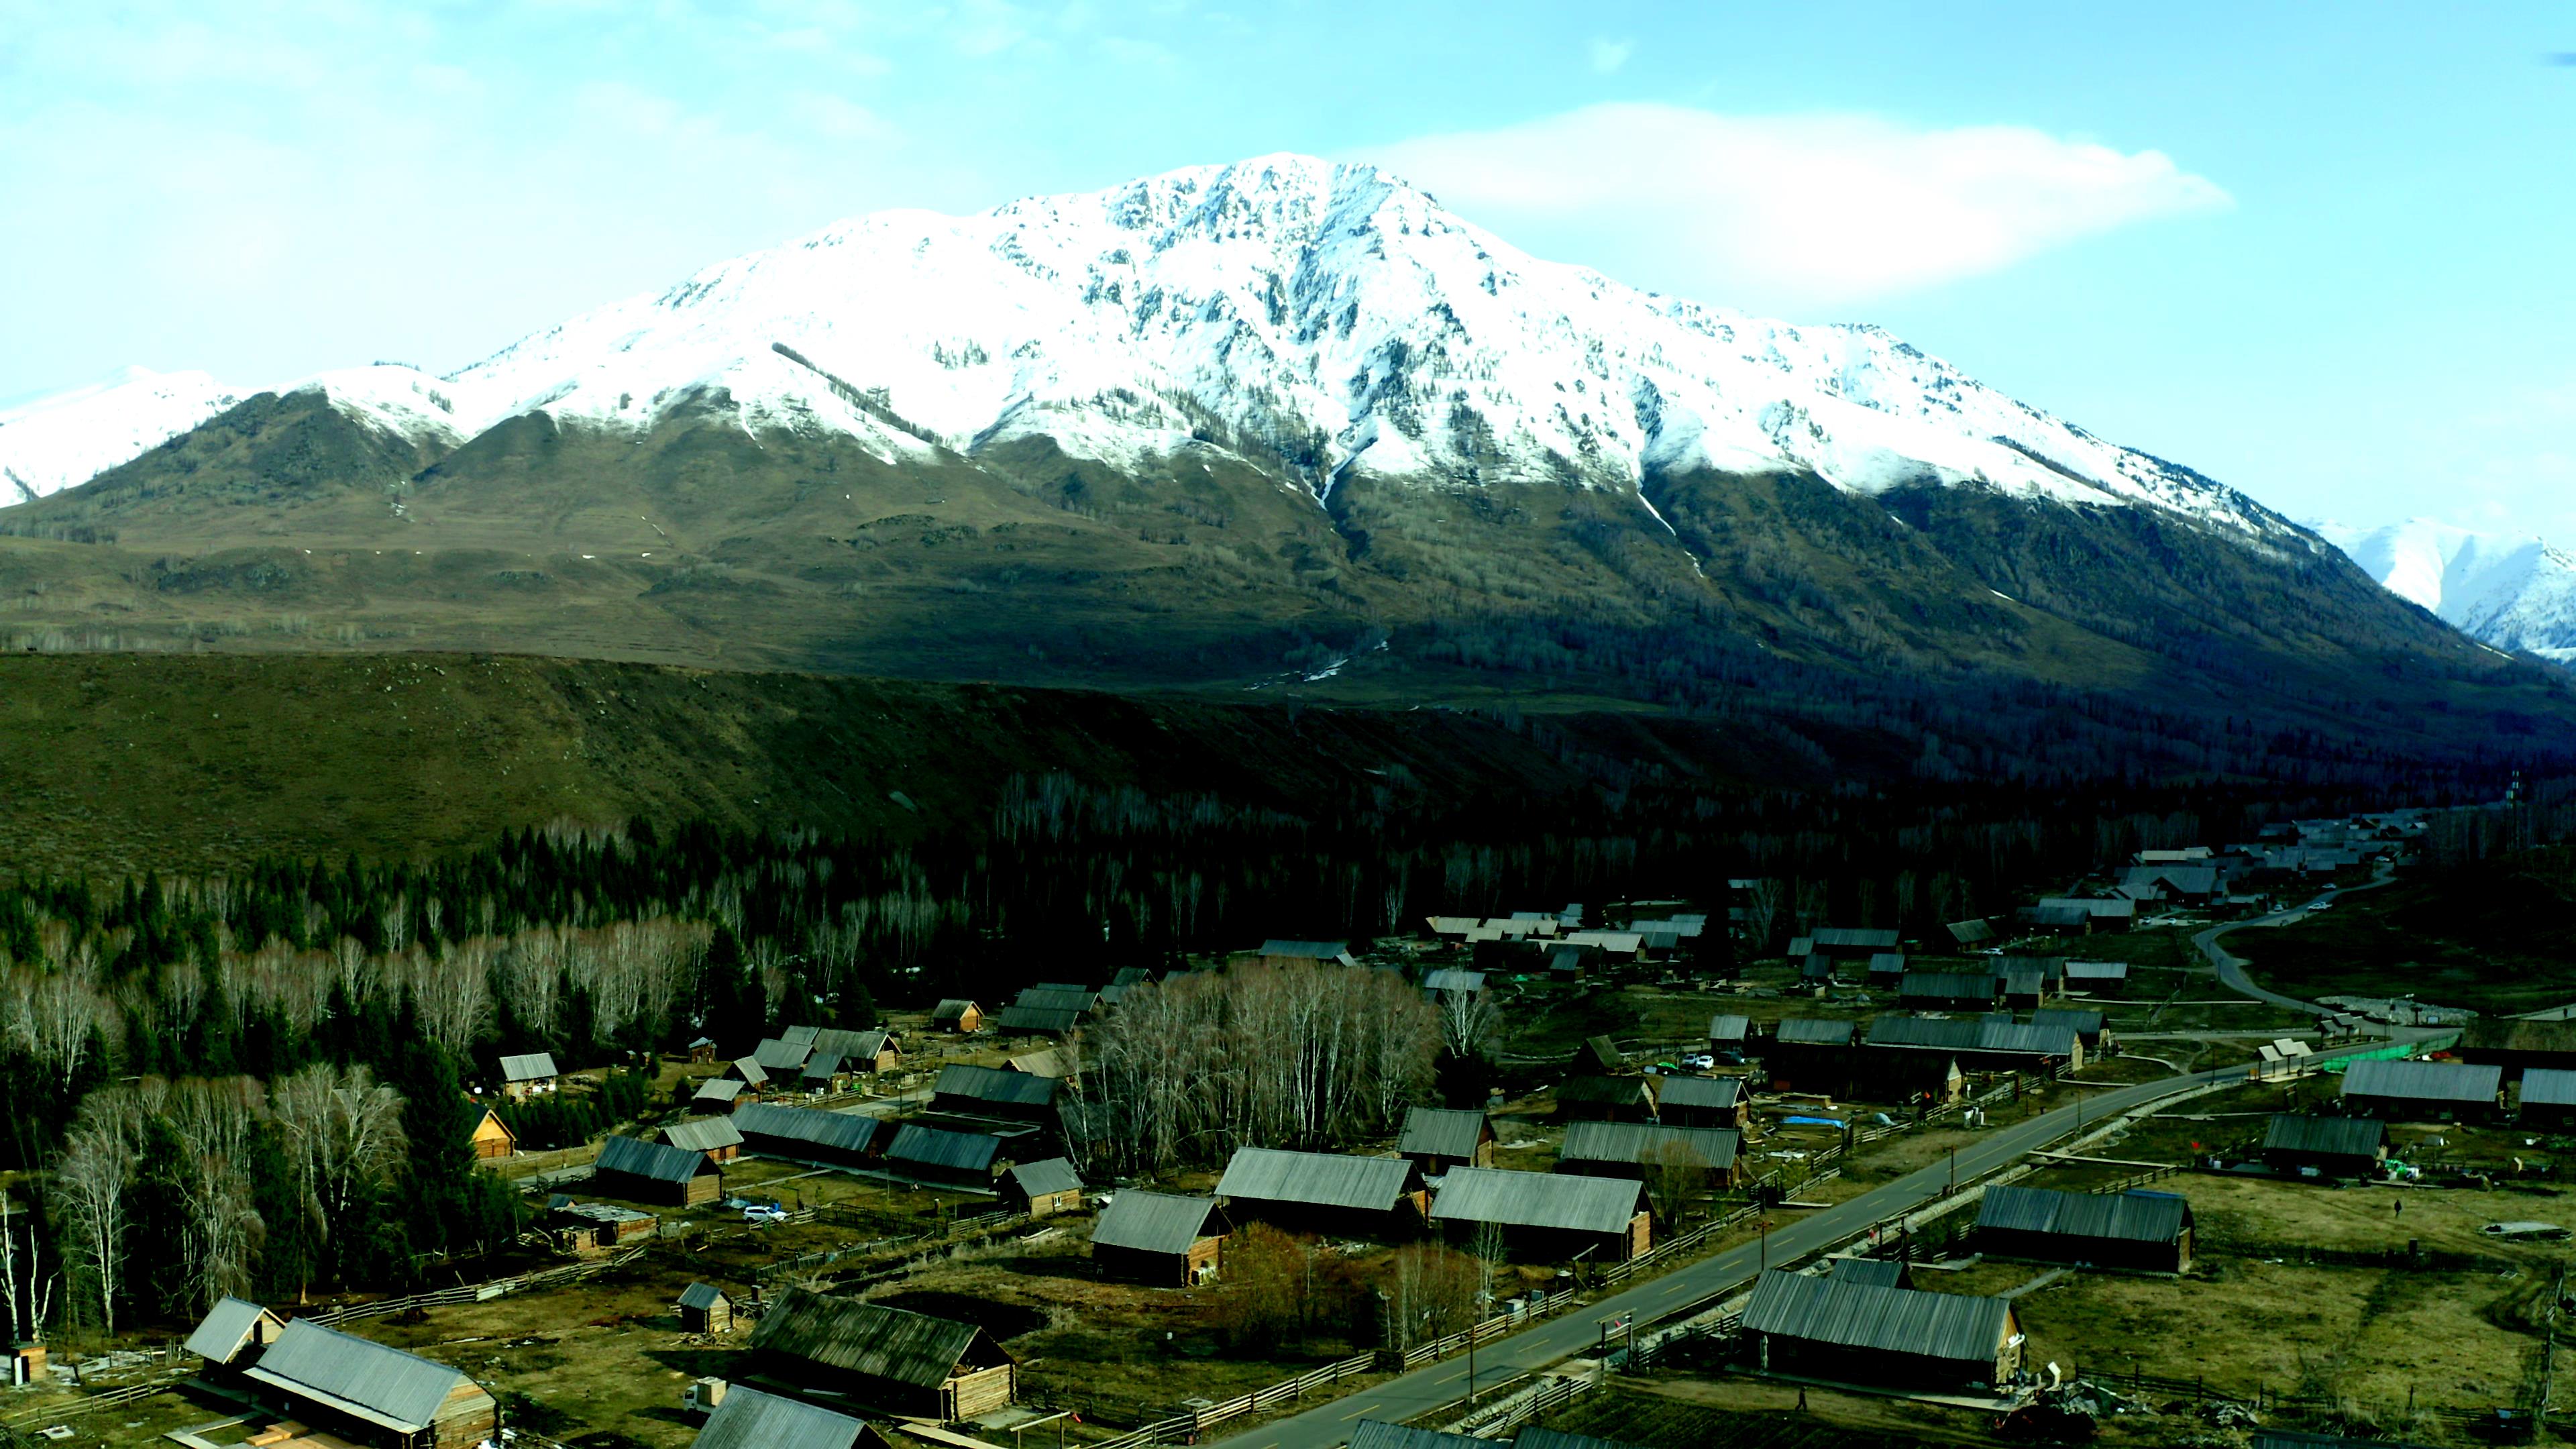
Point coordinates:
[[2231, 969], [1799, 1234]]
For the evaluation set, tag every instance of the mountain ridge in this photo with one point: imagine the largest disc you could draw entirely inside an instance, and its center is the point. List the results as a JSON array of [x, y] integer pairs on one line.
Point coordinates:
[[1229, 426], [2513, 591]]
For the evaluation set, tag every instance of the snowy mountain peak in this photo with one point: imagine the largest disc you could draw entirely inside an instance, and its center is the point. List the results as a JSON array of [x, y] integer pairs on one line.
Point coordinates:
[[1323, 320], [56, 441], [2512, 591]]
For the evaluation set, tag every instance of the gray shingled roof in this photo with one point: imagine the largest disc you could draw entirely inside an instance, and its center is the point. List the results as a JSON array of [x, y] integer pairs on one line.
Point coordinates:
[[777, 1055], [1951, 1326], [822, 1066], [1709, 1094], [636, 1157], [1049, 1019], [1378, 1434], [994, 1085], [2082, 1023], [808, 1126], [1813, 1031], [951, 1008], [750, 1419], [1440, 1132], [750, 1070], [2548, 1087], [225, 1328], [864, 1338], [2134, 1217], [380, 1384], [2097, 970], [1320, 1179], [1887, 963], [2327, 1136], [1536, 1438], [700, 1295], [855, 1047], [1972, 1034], [718, 1089], [1851, 938], [2424, 1081], [921, 1146], [528, 1067], [1452, 978], [703, 1134], [1950, 985], [1047, 1175], [1878, 1272], [1153, 1222], [804, 1036], [1644, 1142], [1727, 1026], [1537, 1200]]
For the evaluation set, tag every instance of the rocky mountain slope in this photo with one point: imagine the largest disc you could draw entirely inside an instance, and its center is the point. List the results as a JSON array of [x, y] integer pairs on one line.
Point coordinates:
[[2513, 591], [1279, 418]]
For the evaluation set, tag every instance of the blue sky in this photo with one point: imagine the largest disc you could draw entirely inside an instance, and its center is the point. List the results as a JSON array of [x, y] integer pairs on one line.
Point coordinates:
[[2319, 252]]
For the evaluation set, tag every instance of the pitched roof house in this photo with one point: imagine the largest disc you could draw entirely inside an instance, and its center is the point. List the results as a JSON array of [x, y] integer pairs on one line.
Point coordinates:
[[887, 1358], [1863, 1333], [1158, 1237], [1546, 1216], [366, 1389], [1440, 1138], [1373, 1197]]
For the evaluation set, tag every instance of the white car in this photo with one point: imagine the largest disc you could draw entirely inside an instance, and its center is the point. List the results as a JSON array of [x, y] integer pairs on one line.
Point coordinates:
[[760, 1217]]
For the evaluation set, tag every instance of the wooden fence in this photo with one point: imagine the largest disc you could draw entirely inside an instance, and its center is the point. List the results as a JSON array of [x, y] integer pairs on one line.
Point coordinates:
[[477, 1292], [804, 1264], [87, 1403], [1188, 1426]]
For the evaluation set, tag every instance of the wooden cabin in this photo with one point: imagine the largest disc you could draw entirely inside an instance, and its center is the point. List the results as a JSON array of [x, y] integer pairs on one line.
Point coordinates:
[[1863, 1333], [1159, 1237], [1547, 1217], [493, 1138], [717, 1137], [527, 1074], [1380, 1199], [955, 1014], [1438, 1138], [1043, 1188], [884, 1358], [2142, 1231], [630, 1167], [369, 1393]]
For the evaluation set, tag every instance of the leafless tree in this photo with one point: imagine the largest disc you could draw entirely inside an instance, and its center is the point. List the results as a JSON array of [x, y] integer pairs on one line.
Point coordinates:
[[344, 1138], [1467, 1022], [1676, 1181], [1762, 907], [91, 1182]]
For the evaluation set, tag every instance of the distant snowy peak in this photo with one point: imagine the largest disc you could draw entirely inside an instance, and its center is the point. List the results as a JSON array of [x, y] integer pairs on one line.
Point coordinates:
[[1325, 321], [2512, 591], [57, 441], [1326, 313]]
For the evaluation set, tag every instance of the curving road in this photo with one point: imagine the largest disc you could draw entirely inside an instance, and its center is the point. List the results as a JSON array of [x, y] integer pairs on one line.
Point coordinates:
[[2231, 968], [1576, 1331]]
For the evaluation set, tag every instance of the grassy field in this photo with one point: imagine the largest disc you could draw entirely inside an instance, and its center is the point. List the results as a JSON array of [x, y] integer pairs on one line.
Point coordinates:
[[2498, 937]]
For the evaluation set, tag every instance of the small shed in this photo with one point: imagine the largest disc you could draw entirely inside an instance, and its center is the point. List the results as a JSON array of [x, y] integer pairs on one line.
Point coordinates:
[[957, 1014], [1859, 1332], [528, 1073], [1547, 1217], [702, 1050], [2329, 1147], [1632, 1149], [885, 1358], [630, 1167], [1440, 1138], [1158, 1237], [704, 1308], [871, 1050], [1043, 1188], [1887, 969], [717, 1137], [1376, 1198], [1727, 1034], [493, 1138], [2413, 1091], [589, 1226], [2144, 1231], [1976, 931], [1702, 1102], [233, 1332]]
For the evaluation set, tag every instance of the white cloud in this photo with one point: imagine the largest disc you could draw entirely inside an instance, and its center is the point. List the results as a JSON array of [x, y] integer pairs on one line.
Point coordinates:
[[1790, 210], [1609, 55]]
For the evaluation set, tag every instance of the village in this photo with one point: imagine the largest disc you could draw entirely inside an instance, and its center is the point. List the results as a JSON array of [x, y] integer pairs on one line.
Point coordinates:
[[2061, 1174]]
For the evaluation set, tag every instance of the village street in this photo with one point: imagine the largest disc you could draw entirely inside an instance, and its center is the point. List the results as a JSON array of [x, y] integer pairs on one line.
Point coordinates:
[[2231, 968]]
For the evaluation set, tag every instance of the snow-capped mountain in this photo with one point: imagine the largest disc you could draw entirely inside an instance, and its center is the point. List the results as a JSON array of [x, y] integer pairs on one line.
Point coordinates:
[[2514, 592], [1321, 318], [56, 441]]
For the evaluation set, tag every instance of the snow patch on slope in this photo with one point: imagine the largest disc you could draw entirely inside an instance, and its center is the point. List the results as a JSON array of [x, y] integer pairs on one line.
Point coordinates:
[[54, 442], [2511, 591]]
